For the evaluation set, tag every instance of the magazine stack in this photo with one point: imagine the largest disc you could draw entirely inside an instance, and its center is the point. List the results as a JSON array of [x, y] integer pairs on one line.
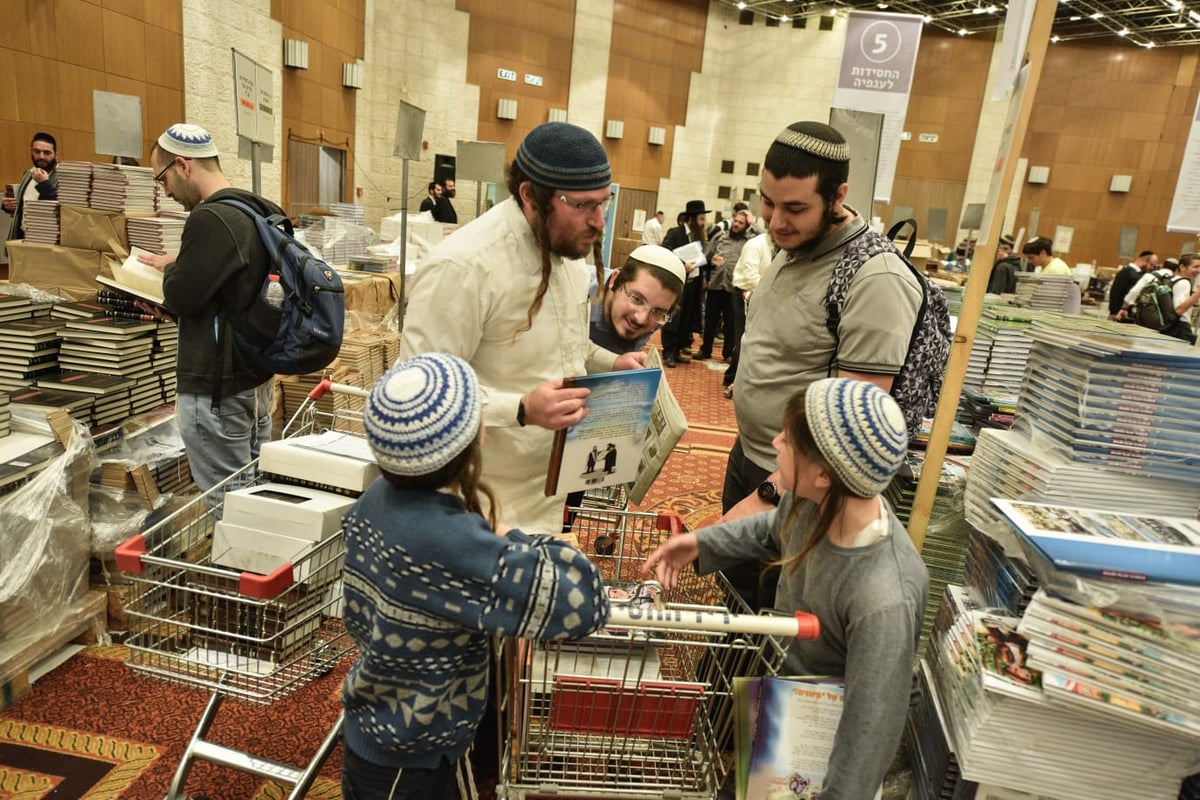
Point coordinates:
[[1006, 729], [1048, 292]]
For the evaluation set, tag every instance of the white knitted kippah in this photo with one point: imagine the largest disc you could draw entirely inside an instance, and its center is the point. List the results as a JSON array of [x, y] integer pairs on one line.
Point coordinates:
[[814, 143], [188, 141], [660, 257], [422, 414], [860, 431]]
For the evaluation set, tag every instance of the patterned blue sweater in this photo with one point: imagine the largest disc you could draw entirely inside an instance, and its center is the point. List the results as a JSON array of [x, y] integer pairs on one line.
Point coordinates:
[[426, 585]]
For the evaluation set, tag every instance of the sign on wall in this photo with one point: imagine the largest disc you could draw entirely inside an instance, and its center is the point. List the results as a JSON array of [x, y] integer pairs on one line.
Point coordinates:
[[876, 75], [117, 119], [1185, 206], [253, 94]]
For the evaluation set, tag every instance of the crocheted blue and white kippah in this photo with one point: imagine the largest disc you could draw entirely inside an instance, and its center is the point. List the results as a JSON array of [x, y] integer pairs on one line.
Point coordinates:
[[860, 431], [564, 156], [423, 413], [188, 141]]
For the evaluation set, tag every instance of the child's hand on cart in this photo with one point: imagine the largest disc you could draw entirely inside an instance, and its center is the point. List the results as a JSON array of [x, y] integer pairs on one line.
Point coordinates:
[[671, 558]]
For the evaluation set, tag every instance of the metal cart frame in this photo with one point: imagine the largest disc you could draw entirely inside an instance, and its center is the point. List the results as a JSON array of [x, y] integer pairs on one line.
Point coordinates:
[[256, 638], [645, 707]]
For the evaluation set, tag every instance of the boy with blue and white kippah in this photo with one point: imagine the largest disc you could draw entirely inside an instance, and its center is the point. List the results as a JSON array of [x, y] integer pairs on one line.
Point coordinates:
[[844, 556], [428, 582]]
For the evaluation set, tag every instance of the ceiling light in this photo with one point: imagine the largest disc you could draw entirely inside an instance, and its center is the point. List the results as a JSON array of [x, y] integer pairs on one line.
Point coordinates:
[[978, 10], [1123, 32], [784, 18], [881, 5], [1075, 18], [927, 19], [1098, 15], [962, 31], [1148, 45], [991, 9], [1193, 15], [1175, 4], [741, 6], [1054, 40]]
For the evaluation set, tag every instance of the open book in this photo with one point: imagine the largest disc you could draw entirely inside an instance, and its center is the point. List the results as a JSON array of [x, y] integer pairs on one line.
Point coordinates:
[[136, 278], [605, 447]]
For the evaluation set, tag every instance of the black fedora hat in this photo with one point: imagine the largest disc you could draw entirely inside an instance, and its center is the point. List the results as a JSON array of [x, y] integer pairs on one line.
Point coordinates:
[[695, 207]]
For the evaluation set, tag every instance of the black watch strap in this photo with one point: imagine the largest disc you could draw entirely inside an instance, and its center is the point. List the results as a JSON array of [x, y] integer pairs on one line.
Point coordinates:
[[521, 413]]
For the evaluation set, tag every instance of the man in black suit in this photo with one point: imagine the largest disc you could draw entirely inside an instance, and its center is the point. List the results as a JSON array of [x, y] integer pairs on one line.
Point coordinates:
[[677, 334]]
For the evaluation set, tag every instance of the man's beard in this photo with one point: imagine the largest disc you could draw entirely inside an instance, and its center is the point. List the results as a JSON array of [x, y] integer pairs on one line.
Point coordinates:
[[449, 193], [829, 221], [49, 165], [541, 232]]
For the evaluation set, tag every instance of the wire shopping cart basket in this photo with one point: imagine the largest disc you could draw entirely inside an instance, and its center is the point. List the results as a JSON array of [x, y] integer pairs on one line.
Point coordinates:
[[254, 638], [645, 707]]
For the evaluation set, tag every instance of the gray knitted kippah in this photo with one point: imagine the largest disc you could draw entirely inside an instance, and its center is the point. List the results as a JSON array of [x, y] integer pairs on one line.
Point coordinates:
[[423, 413], [860, 431], [815, 138], [564, 156]]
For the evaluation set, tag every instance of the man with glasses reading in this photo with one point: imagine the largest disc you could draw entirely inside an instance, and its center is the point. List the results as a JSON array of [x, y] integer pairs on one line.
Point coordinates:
[[223, 405], [508, 293]]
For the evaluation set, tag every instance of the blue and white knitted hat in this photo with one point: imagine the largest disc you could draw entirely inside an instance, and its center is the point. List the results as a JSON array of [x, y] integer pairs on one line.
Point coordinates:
[[564, 156], [188, 141], [423, 413], [860, 431]]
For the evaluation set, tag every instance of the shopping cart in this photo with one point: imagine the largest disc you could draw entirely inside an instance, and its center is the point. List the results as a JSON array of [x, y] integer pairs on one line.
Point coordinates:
[[256, 638], [645, 707]]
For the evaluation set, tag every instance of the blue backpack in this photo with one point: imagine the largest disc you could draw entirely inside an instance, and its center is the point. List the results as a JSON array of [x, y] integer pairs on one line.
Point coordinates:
[[305, 334]]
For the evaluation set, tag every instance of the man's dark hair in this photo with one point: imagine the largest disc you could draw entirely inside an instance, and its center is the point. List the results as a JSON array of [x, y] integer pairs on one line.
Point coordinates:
[[1187, 258], [785, 161], [1145, 253], [42, 136], [740, 207], [432, 184], [1040, 244]]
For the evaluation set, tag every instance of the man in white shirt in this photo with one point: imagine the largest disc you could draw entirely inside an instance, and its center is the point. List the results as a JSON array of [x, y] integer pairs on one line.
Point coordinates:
[[1179, 276], [1040, 252], [652, 231], [509, 294]]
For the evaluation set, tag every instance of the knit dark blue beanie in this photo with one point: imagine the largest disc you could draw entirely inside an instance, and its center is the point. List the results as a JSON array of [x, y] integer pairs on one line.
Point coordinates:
[[560, 155]]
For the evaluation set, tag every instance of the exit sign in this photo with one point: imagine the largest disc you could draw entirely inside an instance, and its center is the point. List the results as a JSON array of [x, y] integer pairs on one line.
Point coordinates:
[[506, 74]]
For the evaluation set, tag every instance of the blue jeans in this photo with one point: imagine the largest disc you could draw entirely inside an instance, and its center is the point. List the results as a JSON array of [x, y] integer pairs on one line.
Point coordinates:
[[362, 780], [219, 445]]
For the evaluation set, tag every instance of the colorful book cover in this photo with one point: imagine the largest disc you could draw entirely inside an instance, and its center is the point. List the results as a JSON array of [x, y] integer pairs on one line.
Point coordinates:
[[793, 737], [605, 447]]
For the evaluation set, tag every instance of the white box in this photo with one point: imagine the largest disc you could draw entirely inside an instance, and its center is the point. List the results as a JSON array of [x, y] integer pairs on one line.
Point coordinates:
[[297, 511], [261, 552], [338, 460]]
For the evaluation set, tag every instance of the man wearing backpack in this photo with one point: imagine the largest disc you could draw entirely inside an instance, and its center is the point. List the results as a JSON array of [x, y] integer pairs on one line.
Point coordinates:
[[790, 338], [1162, 298], [220, 268]]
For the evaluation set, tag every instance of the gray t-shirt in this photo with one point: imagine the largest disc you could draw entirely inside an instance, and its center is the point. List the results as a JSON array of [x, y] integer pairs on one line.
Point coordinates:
[[786, 345], [870, 601]]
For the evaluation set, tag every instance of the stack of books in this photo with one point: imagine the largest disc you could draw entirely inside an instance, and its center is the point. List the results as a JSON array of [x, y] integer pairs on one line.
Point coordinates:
[[156, 234], [40, 220], [1049, 292], [1013, 465], [39, 400], [997, 578], [978, 410], [1116, 401], [371, 263], [22, 456], [74, 182], [29, 349], [111, 392], [1002, 347], [1006, 730], [125, 189], [5, 415], [351, 212], [337, 239], [15, 307], [164, 356], [79, 309]]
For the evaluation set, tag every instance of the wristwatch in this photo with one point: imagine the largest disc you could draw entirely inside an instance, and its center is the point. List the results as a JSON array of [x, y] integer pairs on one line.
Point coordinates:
[[521, 413], [768, 492]]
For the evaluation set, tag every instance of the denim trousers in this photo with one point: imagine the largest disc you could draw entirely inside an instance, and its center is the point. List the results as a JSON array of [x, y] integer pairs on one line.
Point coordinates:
[[362, 780], [220, 444]]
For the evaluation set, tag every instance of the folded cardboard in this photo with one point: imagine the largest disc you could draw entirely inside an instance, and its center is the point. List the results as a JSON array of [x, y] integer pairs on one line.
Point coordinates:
[[66, 271], [253, 550], [331, 459], [297, 511], [93, 229]]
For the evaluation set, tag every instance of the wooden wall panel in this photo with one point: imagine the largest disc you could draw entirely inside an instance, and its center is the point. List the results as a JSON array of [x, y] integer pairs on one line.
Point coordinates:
[[74, 47], [528, 37], [317, 109], [656, 46]]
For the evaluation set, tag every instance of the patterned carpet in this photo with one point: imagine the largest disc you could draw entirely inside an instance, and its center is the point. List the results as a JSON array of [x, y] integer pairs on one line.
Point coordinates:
[[92, 729]]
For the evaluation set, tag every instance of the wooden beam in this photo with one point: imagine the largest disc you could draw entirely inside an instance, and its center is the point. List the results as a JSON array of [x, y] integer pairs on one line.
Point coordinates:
[[981, 268]]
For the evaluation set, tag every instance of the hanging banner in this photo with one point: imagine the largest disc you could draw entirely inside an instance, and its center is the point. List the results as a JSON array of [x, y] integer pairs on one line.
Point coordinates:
[[876, 75], [1185, 206]]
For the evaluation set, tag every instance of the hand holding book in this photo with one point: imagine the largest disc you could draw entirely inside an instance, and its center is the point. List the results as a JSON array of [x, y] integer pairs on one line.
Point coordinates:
[[555, 405]]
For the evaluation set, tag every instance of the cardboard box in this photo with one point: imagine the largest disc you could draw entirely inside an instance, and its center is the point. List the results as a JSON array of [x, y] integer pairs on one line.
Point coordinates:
[[253, 550], [93, 229], [297, 511], [66, 271], [331, 459]]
